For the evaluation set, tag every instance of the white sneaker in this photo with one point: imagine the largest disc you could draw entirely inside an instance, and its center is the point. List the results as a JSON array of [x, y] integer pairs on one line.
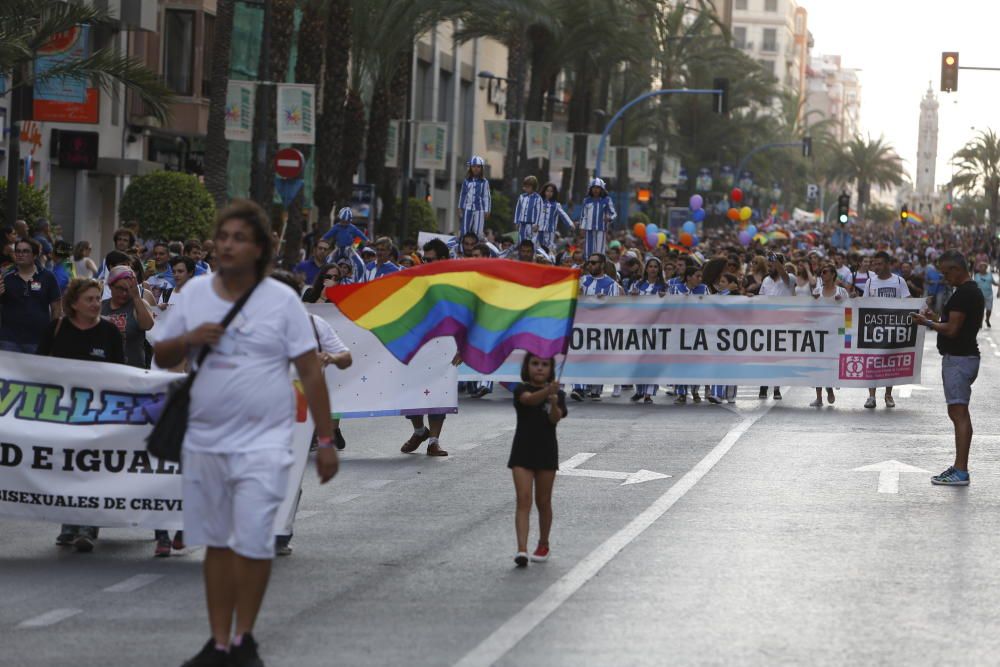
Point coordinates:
[[889, 403], [616, 392], [870, 403], [818, 403], [521, 559]]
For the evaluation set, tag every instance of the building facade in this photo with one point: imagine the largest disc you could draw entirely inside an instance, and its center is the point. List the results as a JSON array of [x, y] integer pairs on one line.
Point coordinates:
[[834, 92], [775, 33]]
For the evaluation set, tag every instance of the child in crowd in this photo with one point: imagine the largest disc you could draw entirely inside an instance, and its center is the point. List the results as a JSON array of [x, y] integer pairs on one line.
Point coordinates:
[[597, 215], [342, 234], [534, 455], [528, 212], [474, 203], [553, 216]]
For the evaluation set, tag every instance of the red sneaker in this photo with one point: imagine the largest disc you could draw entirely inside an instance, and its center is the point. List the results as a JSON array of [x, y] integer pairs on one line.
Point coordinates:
[[162, 548], [541, 554]]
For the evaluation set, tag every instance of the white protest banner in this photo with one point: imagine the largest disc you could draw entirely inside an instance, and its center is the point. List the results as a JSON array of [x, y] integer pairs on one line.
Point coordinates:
[[73, 445], [379, 385], [537, 136], [239, 110], [497, 132], [432, 146], [296, 113], [738, 340], [638, 164], [562, 150], [392, 144]]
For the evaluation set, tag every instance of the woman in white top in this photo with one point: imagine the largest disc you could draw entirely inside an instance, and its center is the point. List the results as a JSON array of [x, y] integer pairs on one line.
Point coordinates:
[[828, 289], [805, 281], [84, 265]]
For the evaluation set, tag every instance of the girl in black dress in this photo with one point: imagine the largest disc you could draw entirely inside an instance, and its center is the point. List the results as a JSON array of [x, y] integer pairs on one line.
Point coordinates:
[[534, 456]]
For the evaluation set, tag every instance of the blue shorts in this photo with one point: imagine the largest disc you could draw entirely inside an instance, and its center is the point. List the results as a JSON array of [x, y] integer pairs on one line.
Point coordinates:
[[958, 374]]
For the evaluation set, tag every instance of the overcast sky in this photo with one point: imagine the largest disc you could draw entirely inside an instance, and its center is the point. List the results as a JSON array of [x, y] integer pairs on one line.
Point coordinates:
[[897, 44]]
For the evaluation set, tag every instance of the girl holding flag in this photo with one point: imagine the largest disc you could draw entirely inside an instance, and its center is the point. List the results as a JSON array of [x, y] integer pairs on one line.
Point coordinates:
[[474, 203]]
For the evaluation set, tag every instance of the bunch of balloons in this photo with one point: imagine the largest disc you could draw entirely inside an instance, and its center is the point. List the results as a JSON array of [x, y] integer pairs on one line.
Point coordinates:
[[687, 236], [738, 214], [651, 234]]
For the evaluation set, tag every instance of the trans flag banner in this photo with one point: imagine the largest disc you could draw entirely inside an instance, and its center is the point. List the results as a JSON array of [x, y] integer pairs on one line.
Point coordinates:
[[793, 341]]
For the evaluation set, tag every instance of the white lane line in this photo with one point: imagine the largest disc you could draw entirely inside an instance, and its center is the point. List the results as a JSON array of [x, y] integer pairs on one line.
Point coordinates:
[[517, 627], [376, 483], [342, 498], [133, 583], [49, 618]]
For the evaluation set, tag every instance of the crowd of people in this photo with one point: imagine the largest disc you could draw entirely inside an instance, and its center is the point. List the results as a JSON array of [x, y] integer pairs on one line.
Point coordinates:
[[57, 300]]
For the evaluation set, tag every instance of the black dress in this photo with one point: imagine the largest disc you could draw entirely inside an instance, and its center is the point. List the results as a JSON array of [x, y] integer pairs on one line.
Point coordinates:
[[535, 445]]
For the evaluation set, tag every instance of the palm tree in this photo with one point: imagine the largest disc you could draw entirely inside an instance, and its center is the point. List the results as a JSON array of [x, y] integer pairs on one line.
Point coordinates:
[[26, 26], [330, 122], [868, 162], [978, 168], [216, 145]]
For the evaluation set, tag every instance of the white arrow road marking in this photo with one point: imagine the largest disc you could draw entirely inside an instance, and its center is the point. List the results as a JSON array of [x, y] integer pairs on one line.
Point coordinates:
[[888, 474], [49, 618], [570, 469], [906, 390], [133, 583]]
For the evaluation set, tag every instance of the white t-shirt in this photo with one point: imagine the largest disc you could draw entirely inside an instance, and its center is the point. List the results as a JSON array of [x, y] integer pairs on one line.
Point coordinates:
[[772, 287], [329, 341], [242, 399], [844, 273], [893, 287], [839, 294]]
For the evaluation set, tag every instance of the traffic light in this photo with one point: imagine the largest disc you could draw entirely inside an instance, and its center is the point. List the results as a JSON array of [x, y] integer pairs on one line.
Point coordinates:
[[721, 100], [904, 214], [947, 209], [949, 71], [843, 208], [643, 195]]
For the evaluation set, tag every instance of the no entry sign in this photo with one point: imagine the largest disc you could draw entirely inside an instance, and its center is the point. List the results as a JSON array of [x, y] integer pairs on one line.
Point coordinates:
[[289, 163]]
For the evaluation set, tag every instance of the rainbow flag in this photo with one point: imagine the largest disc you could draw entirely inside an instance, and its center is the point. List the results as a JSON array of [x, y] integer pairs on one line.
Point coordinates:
[[914, 217], [489, 306]]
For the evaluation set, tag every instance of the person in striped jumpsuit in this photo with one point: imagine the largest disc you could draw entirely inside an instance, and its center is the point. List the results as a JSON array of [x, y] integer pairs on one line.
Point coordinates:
[[595, 283], [691, 285], [474, 202], [651, 283], [553, 216], [597, 215], [528, 211]]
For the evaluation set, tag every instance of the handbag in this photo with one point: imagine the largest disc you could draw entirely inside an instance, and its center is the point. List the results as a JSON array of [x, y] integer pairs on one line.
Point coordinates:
[[170, 414]]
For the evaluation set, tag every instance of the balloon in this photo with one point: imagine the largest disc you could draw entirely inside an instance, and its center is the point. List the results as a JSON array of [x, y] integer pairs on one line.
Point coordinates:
[[736, 195], [745, 237], [695, 240], [733, 214], [652, 229], [639, 230], [752, 231], [661, 239], [698, 215], [686, 239], [650, 237], [689, 227], [746, 213], [696, 202]]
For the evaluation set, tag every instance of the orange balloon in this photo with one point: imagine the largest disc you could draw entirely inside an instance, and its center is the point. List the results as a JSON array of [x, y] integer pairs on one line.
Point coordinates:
[[639, 230], [733, 214], [686, 239]]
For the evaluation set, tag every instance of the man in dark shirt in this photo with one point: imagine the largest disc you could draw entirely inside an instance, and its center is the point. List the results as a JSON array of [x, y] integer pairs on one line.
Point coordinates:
[[29, 300], [960, 322]]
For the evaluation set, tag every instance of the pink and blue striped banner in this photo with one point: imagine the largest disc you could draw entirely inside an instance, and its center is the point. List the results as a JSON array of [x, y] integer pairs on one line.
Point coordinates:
[[796, 341]]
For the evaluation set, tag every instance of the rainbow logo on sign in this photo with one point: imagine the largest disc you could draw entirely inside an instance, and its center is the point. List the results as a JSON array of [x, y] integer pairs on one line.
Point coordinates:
[[848, 317]]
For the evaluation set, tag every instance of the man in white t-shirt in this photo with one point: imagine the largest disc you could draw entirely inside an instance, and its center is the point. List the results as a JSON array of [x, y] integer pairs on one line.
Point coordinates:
[[237, 449], [883, 283], [777, 282]]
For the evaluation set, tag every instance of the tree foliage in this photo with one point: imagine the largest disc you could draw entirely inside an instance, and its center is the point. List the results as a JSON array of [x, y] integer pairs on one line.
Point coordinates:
[[169, 205], [978, 170], [32, 203]]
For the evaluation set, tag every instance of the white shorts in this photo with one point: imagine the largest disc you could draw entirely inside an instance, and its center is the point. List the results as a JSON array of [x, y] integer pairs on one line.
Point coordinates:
[[230, 499]]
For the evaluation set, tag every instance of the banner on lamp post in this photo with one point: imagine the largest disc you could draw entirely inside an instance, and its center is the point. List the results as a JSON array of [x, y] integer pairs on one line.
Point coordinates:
[[561, 156], [671, 174], [638, 164], [296, 113], [392, 144], [538, 137], [432, 146], [497, 133], [239, 110]]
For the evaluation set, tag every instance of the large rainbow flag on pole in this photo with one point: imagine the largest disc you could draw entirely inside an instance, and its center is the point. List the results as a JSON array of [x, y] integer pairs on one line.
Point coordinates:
[[489, 306]]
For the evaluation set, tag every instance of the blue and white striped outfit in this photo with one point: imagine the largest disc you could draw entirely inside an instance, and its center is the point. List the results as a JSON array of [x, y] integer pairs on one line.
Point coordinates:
[[645, 288], [527, 215], [474, 202], [682, 288], [553, 216], [591, 286], [357, 264], [597, 215], [375, 270]]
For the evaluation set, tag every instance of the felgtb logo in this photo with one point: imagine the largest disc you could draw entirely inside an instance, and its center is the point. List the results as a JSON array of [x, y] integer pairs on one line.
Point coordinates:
[[852, 366], [876, 366]]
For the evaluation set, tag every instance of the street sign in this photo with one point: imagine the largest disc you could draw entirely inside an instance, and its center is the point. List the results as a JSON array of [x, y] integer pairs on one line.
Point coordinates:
[[812, 191], [289, 163]]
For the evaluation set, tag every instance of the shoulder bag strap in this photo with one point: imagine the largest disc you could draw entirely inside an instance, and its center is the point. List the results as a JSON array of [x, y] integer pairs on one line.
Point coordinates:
[[225, 323], [312, 321]]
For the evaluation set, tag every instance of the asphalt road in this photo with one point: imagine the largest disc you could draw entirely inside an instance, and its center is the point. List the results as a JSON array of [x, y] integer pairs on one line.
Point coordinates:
[[765, 546]]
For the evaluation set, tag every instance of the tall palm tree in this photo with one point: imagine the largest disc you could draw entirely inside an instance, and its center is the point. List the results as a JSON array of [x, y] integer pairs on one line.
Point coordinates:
[[27, 25], [216, 145], [978, 168], [330, 122], [868, 162]]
